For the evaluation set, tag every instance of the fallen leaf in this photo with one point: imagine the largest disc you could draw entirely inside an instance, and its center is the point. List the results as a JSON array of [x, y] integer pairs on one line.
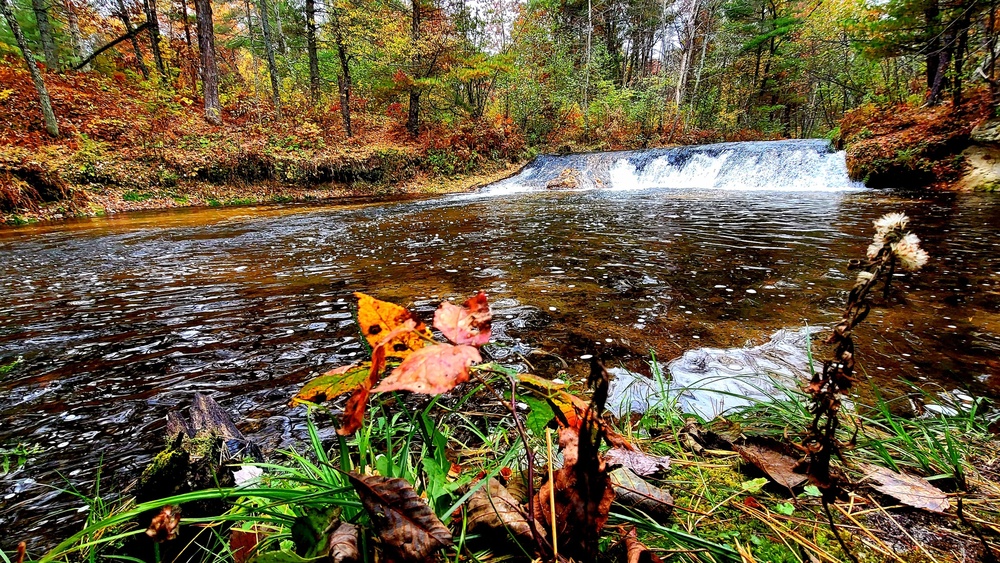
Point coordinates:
[[641, 463], [539, 383], [491, 508], [469, 324], [432, 370], [633, 491], [408, 528], [773, 458], [910, 490], [343, 545], [311, 529], [637, 551], [333, 383], [241, 544], [165, 525], [354, 409], [22, 549], [378, 319]]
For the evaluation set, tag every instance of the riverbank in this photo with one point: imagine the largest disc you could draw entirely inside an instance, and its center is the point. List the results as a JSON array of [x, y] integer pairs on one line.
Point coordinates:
[[95, 201], [913, 147]]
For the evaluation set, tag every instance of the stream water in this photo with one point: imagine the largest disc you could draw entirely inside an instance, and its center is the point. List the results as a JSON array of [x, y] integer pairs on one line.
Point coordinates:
[[118, 320]]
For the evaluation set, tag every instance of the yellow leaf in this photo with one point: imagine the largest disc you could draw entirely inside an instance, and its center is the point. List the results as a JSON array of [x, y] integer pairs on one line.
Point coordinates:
[[378, 319]]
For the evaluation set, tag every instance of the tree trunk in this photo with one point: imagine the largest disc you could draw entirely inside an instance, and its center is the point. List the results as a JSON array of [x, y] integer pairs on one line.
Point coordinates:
[[209, 68], [41, 9], [944, 60], [282, 46], [413, 116], [154, 36], [272, 66], [74, 31], [931, 15], [190, 48], [36, 75], [311, 48], [123, 15], [963, 42], [344, 85]]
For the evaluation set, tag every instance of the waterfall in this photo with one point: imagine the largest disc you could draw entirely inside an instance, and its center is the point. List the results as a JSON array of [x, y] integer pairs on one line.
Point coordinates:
[[793, 165]]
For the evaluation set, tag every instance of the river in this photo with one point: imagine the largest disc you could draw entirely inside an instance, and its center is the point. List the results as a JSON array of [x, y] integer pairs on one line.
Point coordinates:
[[118, 320]]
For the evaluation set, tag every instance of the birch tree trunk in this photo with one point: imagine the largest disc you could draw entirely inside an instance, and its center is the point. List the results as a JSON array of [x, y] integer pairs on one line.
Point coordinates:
[[36, 75]]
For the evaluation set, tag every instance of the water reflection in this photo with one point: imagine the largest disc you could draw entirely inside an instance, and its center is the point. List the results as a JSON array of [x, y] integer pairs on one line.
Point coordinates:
[[120, 320]]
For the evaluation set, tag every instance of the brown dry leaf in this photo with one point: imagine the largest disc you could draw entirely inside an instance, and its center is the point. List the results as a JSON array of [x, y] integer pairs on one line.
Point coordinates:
[[432, 370], [493, 508], [333, 383], [634, 491], [910, 490], [637, 551], [408, 528], [343, 544], [469, 324], [165, 525], [22, 549], [378, 319], [641, 463], [773, 458], [582, 491], [241, 544]]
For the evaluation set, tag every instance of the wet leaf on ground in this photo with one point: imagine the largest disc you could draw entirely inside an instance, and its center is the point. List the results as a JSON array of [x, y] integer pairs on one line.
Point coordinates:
[[773, 458], [492, 508], [343, 544], [641, 463], [408, 528], [910, 490], [633, 491]]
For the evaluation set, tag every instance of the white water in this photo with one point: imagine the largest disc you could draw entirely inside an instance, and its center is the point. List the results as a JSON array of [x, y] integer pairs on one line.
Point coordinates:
[[795, 165]]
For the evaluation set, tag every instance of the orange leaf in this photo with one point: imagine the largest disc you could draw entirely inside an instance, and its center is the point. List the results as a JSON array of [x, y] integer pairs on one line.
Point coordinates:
[[469, 324], [432, 370], [378, 319], [354, 409]]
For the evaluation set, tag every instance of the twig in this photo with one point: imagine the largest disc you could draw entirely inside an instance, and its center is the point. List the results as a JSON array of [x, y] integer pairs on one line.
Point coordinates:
[[552, 493], [836, 532]]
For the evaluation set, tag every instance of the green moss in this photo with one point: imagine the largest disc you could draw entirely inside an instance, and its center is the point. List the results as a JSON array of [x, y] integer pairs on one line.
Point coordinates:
[[132, 195]]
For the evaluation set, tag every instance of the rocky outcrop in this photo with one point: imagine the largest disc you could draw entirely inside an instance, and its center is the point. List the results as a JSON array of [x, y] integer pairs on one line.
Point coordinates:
[[982, 159]]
